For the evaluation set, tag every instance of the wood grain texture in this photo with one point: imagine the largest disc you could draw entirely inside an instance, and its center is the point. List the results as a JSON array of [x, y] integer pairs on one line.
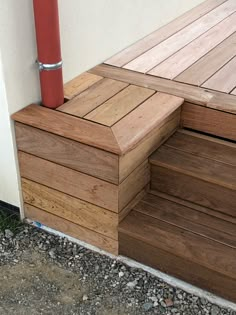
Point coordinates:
[[129, 161], [194, 190], [163, 33], [133, 184], [71, 229], [200, 167], [188, 55], [192, 94], [188, 219], [171, 45], [70, 127], [152, 113], [79, 84], [223, 80], [120, 105], [208, 211], [68, 181], [71, 209], [91, 98], [209, 120], [204, 146], [205, 67], [69, 153], [182, 243], [181, 268]]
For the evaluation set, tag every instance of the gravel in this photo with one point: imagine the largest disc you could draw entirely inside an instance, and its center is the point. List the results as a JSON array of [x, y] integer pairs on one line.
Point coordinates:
[[46, 274]]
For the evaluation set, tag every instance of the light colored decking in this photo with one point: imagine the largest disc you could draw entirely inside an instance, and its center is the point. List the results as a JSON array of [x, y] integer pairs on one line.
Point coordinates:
[[196, 50]]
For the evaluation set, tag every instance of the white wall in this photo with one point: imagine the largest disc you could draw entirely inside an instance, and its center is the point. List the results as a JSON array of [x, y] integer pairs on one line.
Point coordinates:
[[91, 31]]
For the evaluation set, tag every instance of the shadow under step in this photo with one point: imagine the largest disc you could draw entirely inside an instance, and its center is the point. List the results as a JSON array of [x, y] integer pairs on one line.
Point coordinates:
[[197, 168], [181, 241]]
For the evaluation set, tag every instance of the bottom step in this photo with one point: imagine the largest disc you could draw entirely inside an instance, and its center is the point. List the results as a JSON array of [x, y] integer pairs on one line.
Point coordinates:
[[181, 241]]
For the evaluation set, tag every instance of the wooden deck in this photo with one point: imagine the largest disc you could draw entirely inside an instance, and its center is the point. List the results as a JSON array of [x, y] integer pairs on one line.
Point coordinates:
[[88, 168]]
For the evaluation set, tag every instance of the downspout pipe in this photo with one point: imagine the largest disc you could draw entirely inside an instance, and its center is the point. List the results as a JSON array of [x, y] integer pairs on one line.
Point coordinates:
[[49, 52]]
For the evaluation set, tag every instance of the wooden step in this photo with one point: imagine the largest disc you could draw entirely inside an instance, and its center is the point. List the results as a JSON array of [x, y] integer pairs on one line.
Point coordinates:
[[182, 241], [197, 168]]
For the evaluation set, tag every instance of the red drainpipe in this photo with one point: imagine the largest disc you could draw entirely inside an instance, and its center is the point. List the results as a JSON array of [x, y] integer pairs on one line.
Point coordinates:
[[49, 52]]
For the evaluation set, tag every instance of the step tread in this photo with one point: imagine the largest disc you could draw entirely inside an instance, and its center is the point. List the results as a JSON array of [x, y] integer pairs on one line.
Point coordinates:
[[195, 165], [174, 233]]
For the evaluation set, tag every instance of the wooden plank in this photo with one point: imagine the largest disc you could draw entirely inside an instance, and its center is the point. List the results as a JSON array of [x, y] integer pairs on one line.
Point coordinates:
[[184, 58], [188, 219], [208, 211], [224, 79], [190, 93], [179, 267], [71, 229], [120, 105], [129, 161], [197, 166], [234, 92], [71, 209], [152, 113], [79, 84], [209, 120], [68, 126], [194, 190], [182, 243], [165, 49], [68, 181], [133, 184], [69, 153], [204, 68], [91, 98], [204, 146], [219, 102], [163, 33]]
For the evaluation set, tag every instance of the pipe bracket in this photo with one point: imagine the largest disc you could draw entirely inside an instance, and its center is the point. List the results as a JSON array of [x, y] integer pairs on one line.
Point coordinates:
[[49, 66]]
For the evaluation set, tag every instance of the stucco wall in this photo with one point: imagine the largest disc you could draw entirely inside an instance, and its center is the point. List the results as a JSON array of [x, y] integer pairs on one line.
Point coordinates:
[[91, 31]]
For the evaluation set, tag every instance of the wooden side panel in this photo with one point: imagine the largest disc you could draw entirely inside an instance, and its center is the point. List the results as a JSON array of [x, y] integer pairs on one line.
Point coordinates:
[[193, 189], [71, 229], [91, 98], [133, 184], [163, 33], [120, 105], [68, 126], [129, 161], [182, 243], [204, 68], [69, 153], [176, 266], [68, 181], [79, 84], [71, 209], [188, 55], [209, 120]]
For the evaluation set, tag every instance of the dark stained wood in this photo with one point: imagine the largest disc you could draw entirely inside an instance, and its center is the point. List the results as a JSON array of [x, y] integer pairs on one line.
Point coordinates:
[[179, 242], [204, 146], [209, 120], [188, 219], [69, 153], [91, 98], [192, 94], [71, 229], [68, 181], [68, 126], [69, 208], [199, 167], [183, 269], [193, 189]]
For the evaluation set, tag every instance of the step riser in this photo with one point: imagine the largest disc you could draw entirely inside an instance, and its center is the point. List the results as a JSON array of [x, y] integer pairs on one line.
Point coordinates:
[[178, 267], [193, 189]]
